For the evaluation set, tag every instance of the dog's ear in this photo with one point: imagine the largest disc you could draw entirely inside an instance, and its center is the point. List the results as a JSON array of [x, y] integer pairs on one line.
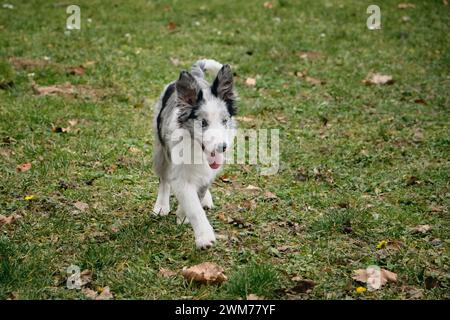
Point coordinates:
[[188, 89], [222, 88]]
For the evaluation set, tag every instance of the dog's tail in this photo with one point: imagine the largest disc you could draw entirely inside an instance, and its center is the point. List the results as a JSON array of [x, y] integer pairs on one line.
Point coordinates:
[[198, 69]]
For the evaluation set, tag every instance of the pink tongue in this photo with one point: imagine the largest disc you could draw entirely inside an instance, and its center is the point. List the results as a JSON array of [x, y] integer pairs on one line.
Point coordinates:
[[215, 161]]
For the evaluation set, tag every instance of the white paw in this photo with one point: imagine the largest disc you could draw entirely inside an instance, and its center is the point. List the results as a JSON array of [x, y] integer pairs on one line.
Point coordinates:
[[207, 201], [205, 240], [161, 210], [181, 217]]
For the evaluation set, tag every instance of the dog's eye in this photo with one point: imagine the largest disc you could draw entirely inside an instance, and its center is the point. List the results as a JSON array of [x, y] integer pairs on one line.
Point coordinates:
[[224, 122], [204, 123]]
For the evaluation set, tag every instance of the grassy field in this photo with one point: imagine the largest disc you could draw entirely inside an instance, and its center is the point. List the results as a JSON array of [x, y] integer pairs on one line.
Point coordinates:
[[359, 164]]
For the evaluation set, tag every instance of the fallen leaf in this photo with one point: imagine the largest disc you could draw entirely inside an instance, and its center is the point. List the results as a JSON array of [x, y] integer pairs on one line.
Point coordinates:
[[206, 272], [251, 82], [100, 294], [89, 293], [310, 55], [412, 181], [81, 206], [225, 179], [166, 273], [25, 63], [28, 198], [8, 219], [73, 122], [252, 188], [423, 228], [60, 129], [268, 5], [420, 101], [23, 167], [85, 277], [105, 294], [252, 296], [175, 61], [314, 81], [112, 168], [245, 119], [445, 2], [133, 150], [374, 277], [406, 6], [269, 195], [171, 26], [77, 71], [377, 78], [221, 216], [66, 89]]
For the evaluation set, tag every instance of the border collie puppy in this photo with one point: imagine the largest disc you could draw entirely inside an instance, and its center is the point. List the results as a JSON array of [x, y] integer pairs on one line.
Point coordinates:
[[193, 117]]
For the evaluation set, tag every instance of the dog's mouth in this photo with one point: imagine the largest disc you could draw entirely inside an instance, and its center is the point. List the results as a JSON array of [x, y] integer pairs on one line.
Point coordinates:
[[215, 159]]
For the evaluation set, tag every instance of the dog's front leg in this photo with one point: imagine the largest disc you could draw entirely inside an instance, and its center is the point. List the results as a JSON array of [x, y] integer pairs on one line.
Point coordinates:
[[187, 197]]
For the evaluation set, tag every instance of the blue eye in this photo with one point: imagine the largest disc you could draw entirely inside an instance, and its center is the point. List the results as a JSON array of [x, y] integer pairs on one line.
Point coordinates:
[[204, 123]]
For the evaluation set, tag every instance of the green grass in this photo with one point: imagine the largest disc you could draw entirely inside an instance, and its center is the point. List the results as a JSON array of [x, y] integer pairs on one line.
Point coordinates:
[[342, 187]]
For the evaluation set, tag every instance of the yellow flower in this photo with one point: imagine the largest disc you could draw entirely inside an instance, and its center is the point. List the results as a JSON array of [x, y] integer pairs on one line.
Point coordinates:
[[382, 244], [361, 290], [28, 198]]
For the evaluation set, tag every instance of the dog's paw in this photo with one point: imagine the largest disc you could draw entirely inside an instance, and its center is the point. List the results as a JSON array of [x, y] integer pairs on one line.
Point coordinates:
[[181, 217], [205, 240], [207, 202], [161, 210]]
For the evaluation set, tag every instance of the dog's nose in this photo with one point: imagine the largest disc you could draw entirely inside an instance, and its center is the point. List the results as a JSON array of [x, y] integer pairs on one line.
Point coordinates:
[[222, 147]]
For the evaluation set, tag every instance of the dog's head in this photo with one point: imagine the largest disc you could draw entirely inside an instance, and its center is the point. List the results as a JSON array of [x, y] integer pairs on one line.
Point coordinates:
[[207, 113]]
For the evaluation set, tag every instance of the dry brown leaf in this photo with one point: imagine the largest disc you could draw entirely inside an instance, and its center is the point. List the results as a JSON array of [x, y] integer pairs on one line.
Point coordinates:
[[206, 272], [374, 277], [8, 219], [85, 277], [23, 167], [133, 150], [105, 294], [175, 61], [378, 78], [67, 89], [166, 273], [445, 2], [81, 206], [60, 129], [314, 81], [252, 188], [221, 216], [245, 119], [252, 296], [89, 293], [77, 71], [269, 195], [406, 5], [251, 82], [268, 5], [171, 26], [422, 228], [24, 63]]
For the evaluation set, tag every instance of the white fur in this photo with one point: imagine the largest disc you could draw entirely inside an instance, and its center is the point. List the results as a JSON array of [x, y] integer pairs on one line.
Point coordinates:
[[184, 180]]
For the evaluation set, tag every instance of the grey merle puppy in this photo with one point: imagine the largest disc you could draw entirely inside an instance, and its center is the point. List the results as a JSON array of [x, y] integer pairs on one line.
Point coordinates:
[[204, 115]]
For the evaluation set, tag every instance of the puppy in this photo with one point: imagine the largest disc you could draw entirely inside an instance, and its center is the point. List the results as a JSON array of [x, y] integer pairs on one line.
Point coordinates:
[[205, 113]]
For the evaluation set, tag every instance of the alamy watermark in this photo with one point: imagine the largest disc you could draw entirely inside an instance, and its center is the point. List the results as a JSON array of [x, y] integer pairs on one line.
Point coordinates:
[[374, 20]]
